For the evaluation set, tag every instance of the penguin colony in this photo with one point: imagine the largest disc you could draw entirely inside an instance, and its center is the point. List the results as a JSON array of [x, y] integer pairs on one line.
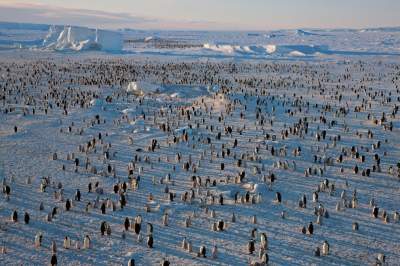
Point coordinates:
[[289, 163]]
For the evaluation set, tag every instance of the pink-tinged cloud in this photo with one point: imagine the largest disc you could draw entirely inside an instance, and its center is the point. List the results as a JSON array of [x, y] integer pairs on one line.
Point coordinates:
[[38, 13]]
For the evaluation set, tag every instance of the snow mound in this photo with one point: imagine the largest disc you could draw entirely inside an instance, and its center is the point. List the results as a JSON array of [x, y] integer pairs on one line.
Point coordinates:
[[186, 129], [142, 88], [96, 102], [296, 53], [306, 33], [128, 111], [261, 188], [265, 50], [169, 91], [270, 48], [80, 38], [213, 89]]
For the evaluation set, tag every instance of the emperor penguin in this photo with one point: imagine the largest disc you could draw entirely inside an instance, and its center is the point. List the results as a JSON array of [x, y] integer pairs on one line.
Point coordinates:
[[86, 242], [325, 248]]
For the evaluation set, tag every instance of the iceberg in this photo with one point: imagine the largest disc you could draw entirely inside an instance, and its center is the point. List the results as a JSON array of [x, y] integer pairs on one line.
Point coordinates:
[[80, 38], [269, 49]]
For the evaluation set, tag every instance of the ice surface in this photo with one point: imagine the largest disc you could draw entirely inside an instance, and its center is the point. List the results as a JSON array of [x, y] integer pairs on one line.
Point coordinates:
[[199, 83], [307, 43]]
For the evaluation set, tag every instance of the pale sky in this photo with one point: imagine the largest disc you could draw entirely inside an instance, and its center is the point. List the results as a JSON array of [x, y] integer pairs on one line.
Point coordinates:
[[206, 14]]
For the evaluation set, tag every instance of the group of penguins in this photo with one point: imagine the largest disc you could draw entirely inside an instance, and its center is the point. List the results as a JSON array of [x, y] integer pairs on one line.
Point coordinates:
[[105, 229], [136, 225]]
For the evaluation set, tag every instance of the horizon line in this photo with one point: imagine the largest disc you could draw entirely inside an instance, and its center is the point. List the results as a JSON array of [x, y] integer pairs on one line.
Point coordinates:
[[202, 30]]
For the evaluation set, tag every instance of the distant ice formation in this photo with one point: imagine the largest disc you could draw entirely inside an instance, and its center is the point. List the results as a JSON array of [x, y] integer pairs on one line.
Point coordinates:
[[299, 44], [81, 38], [290, 50]]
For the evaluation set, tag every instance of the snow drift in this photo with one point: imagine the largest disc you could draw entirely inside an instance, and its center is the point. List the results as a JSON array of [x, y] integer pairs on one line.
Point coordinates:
[[265, 50], [142, 88], [81, 38], [170, 91]]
